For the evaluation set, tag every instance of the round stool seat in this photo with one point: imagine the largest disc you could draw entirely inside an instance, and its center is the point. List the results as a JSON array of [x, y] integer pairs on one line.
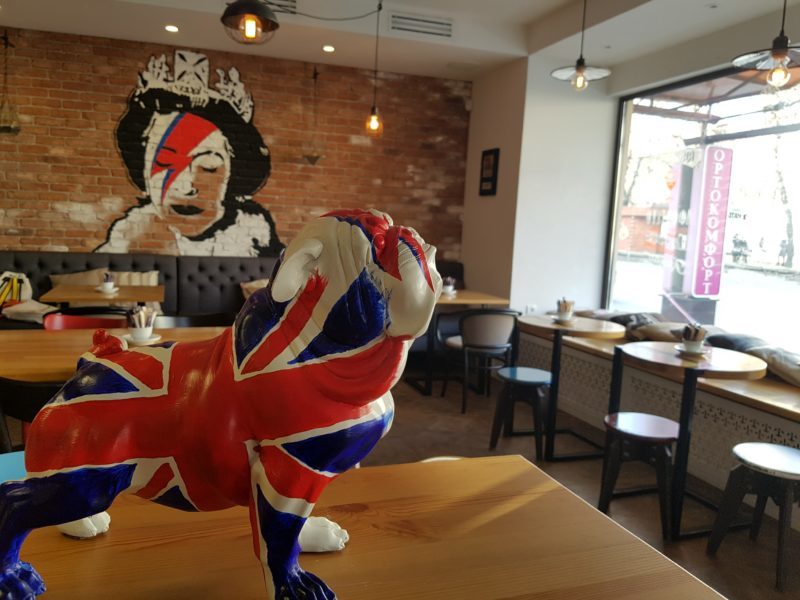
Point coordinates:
[[772, 459], [643, 426], [524, 375]]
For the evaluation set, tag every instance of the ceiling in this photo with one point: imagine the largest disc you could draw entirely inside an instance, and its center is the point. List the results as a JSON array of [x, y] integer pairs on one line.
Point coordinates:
[[485, 33]]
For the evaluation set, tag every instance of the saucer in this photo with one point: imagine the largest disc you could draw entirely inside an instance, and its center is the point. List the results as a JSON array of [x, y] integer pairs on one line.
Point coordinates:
[[100, 289], [690, 353], [132, 342], [560, 321]]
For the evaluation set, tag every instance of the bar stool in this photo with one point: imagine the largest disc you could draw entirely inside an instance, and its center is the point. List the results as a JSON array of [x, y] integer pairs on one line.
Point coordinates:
[[533, 385], [770, 471], [639, 436]]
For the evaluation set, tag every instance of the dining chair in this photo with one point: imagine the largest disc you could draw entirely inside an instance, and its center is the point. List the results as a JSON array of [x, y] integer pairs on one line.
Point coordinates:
[[56, 321], [486, 343], [22, 400]]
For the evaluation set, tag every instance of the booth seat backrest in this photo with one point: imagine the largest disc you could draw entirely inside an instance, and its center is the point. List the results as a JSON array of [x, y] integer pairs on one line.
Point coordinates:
[[38, 266], [210, 284]]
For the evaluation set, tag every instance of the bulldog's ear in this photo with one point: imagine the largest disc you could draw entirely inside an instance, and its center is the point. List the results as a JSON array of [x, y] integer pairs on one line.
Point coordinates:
[[295, 270]]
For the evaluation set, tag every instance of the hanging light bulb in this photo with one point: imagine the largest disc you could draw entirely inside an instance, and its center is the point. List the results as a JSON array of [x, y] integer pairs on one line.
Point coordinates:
[[374, 123], [777, 60], [249, 21], [578, 80], [779, 75], [580, 75]]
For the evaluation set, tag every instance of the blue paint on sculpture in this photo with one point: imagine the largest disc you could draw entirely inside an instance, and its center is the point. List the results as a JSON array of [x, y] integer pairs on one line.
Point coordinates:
[[43, 501], [338, 451], [350, 324], [300, 384], [94, 378], [174, 498]]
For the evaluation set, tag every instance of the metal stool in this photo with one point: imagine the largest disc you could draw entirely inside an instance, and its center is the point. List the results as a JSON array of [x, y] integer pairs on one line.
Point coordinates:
[[524, 378], [639, 436], [770, 471]]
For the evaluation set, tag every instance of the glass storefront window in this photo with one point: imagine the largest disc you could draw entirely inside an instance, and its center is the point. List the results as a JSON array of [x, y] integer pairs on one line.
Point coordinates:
[[707, 204]]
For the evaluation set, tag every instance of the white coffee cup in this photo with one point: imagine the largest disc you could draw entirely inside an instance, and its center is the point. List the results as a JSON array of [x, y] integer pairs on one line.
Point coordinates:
[[107, 286], [564, 316], [141, 334], [693, 345], [448, 289]]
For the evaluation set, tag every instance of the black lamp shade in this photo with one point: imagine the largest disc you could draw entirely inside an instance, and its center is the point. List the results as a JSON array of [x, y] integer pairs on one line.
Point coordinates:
[[261, 18]]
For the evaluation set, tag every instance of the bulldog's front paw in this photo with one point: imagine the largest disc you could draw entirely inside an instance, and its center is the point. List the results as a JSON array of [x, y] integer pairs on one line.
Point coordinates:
[[322, 535], [88, 527], [302, 585]]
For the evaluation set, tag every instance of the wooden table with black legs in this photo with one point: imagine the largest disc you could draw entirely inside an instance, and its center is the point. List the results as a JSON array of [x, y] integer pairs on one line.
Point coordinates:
[[545, 326], [661, 358]]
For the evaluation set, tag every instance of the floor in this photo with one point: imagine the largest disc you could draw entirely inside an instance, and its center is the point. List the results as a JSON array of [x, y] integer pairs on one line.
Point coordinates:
[[434, 426]]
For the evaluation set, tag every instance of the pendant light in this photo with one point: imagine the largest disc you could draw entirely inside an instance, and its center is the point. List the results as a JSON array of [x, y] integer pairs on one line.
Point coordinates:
[[777, 60], [314, 153], [9, 121], [249, 21], [374, 123], [580, 75]]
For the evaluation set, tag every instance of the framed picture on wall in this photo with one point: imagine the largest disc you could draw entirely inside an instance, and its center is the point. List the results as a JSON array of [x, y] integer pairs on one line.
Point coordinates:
[[489, 163]]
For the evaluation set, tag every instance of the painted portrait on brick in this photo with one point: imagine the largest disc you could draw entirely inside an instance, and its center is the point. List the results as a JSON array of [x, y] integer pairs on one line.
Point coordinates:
[[196, 157]]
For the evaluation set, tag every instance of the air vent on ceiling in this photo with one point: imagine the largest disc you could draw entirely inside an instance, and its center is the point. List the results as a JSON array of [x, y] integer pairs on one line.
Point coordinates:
[[284, 6], [421, 25]]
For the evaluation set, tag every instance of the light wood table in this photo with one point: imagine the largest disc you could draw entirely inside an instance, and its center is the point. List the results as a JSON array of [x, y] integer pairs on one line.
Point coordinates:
[[487, 528], [662, 358], [546, 327], [64, 294], [39, 355], [462, 298]]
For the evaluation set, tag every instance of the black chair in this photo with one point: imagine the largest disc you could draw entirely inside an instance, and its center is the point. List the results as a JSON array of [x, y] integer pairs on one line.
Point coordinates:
[[486, 343], [207, 320], [522, 384], [769, 471], [22, 400], [639, 436]]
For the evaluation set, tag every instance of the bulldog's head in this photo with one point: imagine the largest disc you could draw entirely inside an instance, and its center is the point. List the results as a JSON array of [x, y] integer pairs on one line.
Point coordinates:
[[375, 274]]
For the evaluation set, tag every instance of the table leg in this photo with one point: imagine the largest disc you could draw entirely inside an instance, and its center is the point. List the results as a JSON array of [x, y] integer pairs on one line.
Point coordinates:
[[680, 468], [552, 410]]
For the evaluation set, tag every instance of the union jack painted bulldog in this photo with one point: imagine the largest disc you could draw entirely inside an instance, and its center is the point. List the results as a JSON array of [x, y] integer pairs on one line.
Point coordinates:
[[265, 415]]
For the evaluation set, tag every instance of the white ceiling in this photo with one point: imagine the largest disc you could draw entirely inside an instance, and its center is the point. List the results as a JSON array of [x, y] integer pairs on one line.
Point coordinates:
[[486, 33]]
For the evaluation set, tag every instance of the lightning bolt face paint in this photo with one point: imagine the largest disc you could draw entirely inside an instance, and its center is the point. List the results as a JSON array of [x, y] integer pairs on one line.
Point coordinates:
[[187, 166]]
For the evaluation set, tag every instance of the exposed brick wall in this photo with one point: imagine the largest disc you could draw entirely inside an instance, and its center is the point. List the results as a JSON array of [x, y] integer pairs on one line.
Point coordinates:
[[62, 181]]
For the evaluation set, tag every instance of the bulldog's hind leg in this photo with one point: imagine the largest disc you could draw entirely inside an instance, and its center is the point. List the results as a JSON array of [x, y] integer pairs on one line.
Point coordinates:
[[49, 500]]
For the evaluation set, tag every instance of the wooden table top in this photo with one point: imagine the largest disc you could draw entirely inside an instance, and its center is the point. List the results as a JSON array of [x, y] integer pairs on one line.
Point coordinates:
[[90, 293], [467, 297], [544, 325], [718, 363], [39, 355], [485, 528]]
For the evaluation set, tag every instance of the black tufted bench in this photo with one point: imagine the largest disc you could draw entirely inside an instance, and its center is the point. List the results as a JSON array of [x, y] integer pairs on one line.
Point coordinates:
[[192, 284]]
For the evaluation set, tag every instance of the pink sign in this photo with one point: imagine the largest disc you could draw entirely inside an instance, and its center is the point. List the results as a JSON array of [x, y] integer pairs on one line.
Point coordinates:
[[712, 213]]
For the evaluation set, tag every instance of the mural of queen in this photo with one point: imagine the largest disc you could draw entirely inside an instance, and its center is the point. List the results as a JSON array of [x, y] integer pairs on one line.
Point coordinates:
[[197, 158]]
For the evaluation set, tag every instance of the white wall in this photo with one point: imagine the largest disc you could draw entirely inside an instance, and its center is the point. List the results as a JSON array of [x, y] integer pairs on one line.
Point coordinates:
[[564, 191], [498, 101]]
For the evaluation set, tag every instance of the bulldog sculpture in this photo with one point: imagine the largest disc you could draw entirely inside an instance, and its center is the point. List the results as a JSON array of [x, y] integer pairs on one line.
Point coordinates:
[[265, 415]]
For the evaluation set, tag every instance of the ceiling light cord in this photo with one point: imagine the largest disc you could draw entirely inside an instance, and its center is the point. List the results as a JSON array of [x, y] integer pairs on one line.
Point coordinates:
[[783, 19], [583, 27], [375, 67]]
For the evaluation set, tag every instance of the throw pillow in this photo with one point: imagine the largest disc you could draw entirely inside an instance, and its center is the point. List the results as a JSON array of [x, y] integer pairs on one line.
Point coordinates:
[[248, 287], [632, 322], [740, 342], [137, 278], [93, 277], [780, 362]]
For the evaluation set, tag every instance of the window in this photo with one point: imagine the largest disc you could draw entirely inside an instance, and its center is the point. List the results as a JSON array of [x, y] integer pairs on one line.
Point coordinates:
[[708, 196]]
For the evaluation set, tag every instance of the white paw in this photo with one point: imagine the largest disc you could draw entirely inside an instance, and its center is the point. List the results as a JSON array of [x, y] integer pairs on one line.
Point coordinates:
[[322, 535], [88, 527]]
